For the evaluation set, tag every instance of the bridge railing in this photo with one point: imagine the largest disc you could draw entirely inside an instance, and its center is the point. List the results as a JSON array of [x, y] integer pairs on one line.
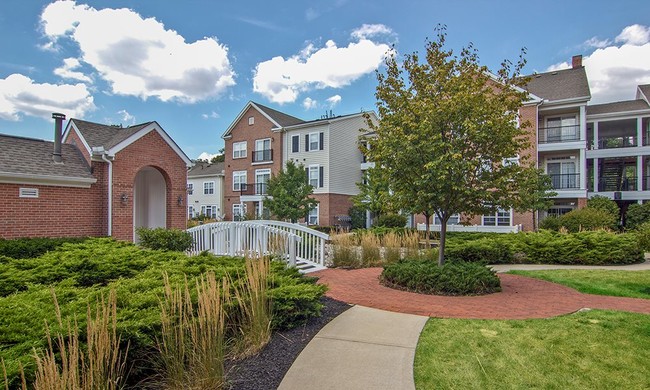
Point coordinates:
[[289, 241]]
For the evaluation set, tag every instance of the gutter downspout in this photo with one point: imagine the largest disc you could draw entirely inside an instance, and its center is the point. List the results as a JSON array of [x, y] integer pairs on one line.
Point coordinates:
[[110, 194]]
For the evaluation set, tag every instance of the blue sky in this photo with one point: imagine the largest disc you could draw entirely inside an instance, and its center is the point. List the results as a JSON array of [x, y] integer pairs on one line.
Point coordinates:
[[192, 65]]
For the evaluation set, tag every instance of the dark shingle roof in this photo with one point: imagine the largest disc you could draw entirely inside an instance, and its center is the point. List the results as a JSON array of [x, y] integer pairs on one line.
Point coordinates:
[[107, 136], [206, 169], [34, 157], [281, 118], [627, 105], [560, 84], [645, 89]]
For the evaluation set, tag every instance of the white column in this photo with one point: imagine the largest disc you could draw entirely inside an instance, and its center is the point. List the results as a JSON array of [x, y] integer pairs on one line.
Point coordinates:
[[583, 123], [639, 131], [596, 175], [583, 155], [595, 146], [583, 169], [639, 172]]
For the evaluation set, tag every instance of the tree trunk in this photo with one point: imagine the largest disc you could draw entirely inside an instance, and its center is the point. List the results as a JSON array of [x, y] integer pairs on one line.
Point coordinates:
[[427, 219], [443, 236], [535, 228]]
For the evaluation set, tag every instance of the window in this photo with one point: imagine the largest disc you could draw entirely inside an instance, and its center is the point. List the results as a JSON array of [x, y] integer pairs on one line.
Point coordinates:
[[295, 143], [500, 218], [28, 193], [239, 149], [190, 188], [210, 211], [208, 188], [314, 141], [262, 177], [239, 181], [511, 161], [190, 211], [315, 175], [262, 150], [238, 211], [312, 217], [453, 220], [251, 120], [561, 129], [563, 174]]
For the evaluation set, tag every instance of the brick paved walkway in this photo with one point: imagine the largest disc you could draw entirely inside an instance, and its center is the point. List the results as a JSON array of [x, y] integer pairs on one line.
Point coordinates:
[[521, 298]]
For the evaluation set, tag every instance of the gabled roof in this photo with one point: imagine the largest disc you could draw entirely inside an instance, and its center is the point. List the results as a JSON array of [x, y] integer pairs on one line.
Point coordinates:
[[206, 169], [317, 122], [30, 158], [112, 139], [279, 119], [624, 106], [560, 85], [643, 92]]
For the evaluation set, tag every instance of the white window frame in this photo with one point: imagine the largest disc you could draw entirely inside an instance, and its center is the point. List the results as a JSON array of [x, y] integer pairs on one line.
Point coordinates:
[[239, 149], [453, 220], [497, 218], [238, 209], [292, 138], [311, 141], [251, 120], [511, 160], [190, 211], [208, 187], [312, 216], [316, 169], [262, 141], [236, 184], [190, 188], [258, 173]]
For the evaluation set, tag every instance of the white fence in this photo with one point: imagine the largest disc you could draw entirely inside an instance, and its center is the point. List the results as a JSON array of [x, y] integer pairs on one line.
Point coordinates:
[[473, 228], [293, 242]]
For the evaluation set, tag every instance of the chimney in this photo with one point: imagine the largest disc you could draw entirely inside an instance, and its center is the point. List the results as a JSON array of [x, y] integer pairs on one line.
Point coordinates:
[[576, 61], [58, 126]]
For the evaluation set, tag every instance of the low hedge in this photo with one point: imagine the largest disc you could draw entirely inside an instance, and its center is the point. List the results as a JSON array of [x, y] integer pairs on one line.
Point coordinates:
[[81, 273], [27, 248], [454, 278], [164, 239], [547, 247]]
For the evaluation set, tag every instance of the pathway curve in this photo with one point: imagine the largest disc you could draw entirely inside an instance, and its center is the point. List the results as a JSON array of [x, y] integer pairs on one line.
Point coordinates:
[[521, 298], [537, 267]]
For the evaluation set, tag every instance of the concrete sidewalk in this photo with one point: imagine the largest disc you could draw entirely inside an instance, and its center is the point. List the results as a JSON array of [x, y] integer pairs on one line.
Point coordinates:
[[536, 267], [363, 348]]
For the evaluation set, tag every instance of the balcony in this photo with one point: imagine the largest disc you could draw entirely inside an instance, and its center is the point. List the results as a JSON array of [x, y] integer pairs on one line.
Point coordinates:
[[617, 142], [565, 181], [265, 155], [557, 134], [252, 189], [616, 183]]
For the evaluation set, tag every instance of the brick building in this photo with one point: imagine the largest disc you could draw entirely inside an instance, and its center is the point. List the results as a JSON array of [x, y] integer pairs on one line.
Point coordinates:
[[93, 180]]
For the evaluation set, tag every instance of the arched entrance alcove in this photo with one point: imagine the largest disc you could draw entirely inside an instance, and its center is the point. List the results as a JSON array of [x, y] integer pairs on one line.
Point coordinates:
[[149, 199]]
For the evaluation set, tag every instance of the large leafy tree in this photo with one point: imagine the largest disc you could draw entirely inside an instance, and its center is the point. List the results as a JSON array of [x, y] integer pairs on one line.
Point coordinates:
[[446, 127], [289, 193]]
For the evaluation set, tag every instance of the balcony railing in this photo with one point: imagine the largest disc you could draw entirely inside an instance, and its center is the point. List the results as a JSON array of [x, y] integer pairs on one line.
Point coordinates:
[[617, 142], [563, 181], [554, 134], [616, 183], [263, 155], [252, 189]]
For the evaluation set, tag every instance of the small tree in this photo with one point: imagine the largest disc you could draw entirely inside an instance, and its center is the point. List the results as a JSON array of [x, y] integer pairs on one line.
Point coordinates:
[[288, 193], [446, 127], [373, 195], [537, 197]]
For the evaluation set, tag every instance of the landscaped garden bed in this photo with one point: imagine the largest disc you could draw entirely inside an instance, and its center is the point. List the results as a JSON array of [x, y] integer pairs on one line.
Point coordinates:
[[85, 273]]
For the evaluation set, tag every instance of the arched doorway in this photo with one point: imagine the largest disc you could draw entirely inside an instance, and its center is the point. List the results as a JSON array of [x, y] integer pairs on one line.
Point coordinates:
[[149, 200]]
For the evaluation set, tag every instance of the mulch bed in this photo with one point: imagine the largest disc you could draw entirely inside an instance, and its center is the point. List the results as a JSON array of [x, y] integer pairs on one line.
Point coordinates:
[[266, 370]]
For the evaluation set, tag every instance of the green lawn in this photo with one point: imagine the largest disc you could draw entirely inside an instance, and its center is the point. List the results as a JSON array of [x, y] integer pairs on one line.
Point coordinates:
[[634, 284], [586, 350]]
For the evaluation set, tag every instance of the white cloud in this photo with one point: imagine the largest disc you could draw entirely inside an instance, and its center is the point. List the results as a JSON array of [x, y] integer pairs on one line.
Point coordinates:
[[309, 103], [128, 119], [206, 156], [597, 43], [20, 95], [138, 56], [371, 30], [334, 100], [67, 71], [211, 115], [282, 80], [614, 71]]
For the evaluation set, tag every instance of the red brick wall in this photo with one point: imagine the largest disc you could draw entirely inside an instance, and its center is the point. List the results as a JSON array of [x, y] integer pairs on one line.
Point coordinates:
[[73, 138], [242, 131], [57, 212], [331, 205], [150, 150]]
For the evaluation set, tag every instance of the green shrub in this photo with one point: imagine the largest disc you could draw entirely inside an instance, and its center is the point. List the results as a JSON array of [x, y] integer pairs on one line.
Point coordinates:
[[588, 219], [27, 248], [643, 235], [357, 217], [603, 203], [425, 277], [551, 223], [165, 239], [636, 215], [391, 221], [484, 250]]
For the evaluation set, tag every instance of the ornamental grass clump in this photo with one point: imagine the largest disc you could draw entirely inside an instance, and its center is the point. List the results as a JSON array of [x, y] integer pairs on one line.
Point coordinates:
[[370, 254], [392, 247], [344, 250], [254, 307], [426, 277], [411, 241]]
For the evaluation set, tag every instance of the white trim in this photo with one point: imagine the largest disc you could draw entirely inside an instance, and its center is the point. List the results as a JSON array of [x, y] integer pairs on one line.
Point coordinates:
[[109, 227], [617, 115], [73, 127], [239, 173], [322, 121], [213, 187], [201, 176], [567, 101], [245, 150], [46, 180], [144, 131], [318, 148], [28, 193]]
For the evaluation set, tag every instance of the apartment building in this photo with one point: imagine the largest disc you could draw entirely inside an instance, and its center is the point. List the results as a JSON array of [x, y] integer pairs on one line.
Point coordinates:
[[205, 184], [261, 140]]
